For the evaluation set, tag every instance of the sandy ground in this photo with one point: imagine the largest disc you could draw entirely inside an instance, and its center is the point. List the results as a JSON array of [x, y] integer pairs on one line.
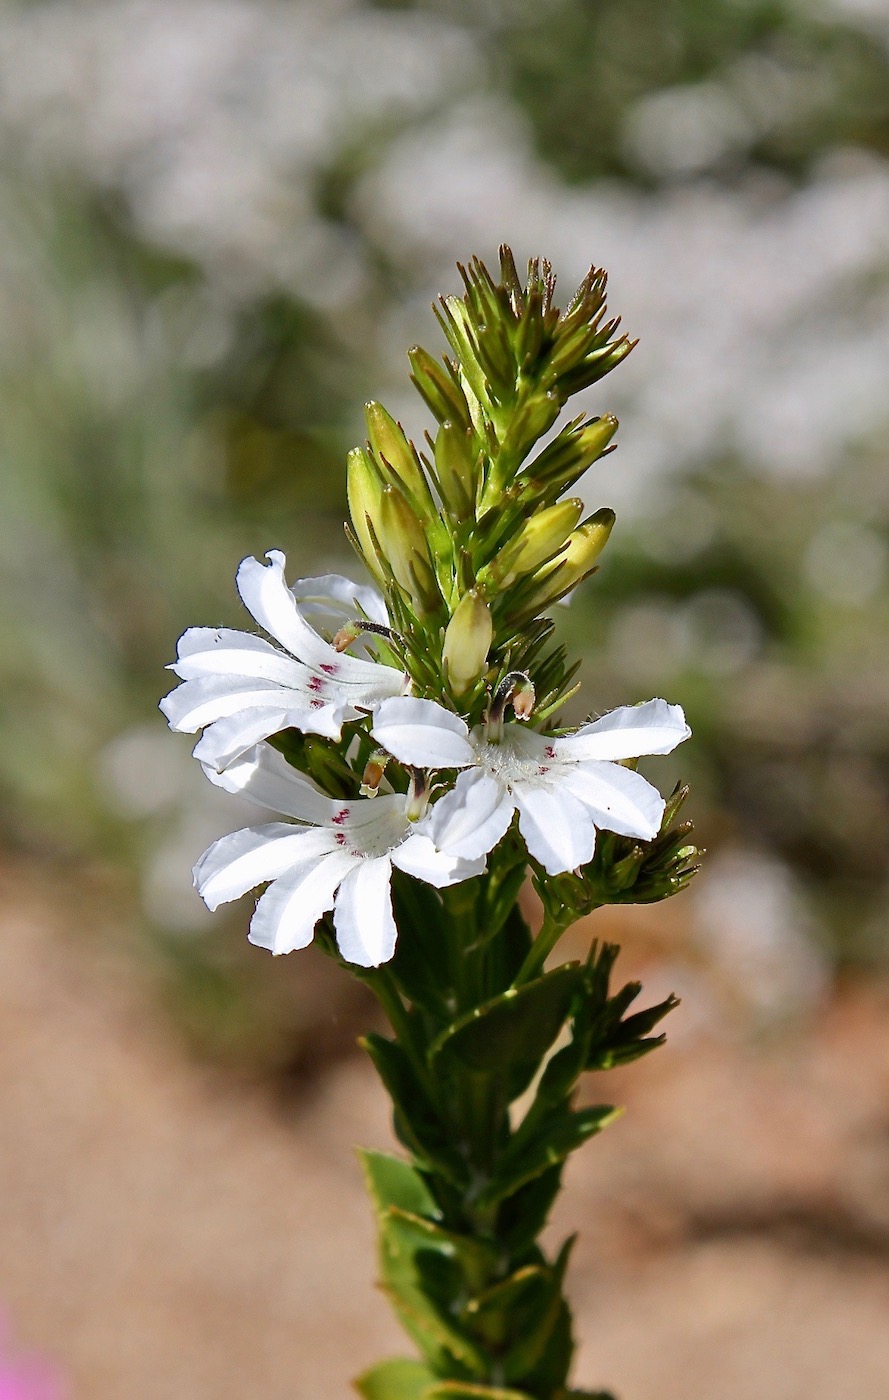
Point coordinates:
[[167, 1234]]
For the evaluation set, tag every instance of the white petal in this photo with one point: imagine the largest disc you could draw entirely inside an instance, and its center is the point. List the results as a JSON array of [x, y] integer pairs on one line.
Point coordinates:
[[228, 738], [213, 651], [422, 733], [558, 830], [628, 732], [264, 776], [196, 703], [265, 594], [247, 858], [616, 798], [470, 819], [418, 857], [331, 600], [287, 913], [363, 918]]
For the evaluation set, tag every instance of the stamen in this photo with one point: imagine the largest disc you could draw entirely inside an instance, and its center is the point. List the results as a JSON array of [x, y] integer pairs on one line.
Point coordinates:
[[518, 688], [373, 773], [351, 631]]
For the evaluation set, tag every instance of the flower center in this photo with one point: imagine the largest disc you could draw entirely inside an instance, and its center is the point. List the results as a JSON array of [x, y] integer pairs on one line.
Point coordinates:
[[506, 761]]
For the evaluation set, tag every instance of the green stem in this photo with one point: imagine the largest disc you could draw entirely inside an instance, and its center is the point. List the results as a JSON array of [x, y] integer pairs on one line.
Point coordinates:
[[382, 984], [550, 932]]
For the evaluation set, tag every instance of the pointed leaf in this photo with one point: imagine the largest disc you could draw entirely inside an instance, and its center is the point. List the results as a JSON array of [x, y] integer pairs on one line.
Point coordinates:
[[394, 1182], [511, 1033], [417, 1123], [398, 1379], [529, 1157]]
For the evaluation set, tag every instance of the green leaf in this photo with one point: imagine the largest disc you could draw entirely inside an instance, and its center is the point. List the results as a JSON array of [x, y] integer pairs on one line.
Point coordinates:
[[498, 1313], [417, 1122], [422, 1270], [398, 1379], [511, 1033], [524, 1213], [414, 1233], [542, 1355], [394, 1182], [420, 963], [530, 1156]]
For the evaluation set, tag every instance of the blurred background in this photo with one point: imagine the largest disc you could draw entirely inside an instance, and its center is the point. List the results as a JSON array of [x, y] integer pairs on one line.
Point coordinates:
[[222, 223]]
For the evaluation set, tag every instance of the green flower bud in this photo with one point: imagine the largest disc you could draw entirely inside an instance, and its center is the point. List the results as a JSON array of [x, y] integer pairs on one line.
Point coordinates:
[[395, 452], [534, 543], [403, 542], [467, 642], [568, 457], [574, 562], [440, 390], [456, 465], [365, 491]]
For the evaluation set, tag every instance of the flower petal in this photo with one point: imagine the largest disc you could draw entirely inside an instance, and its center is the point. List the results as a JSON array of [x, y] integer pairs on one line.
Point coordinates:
[[616, 798], [363, 918], [418, 857], [422, 733], [330, 600], [213, 651], [228, 738], [470, 819], [265, 595], [265, 777], [558, 830], [628, 732], [244, 859], [196, 703], [287, 913]]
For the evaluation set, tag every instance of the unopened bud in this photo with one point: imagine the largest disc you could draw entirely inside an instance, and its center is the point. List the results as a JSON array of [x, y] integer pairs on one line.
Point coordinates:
[[404, 545], [534, 543], [364, 492], [456, 465], [440, 390], [569, 456], [467, 642], [390, 445], [574, 562]]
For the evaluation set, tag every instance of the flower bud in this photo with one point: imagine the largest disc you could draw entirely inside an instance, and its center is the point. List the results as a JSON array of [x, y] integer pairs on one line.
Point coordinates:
[[574, 562], [534, 543], [440, 390], [403, 541], [467, 642], [456, 466], [364, 492], [392, 448], [568, 457], [373, 773]]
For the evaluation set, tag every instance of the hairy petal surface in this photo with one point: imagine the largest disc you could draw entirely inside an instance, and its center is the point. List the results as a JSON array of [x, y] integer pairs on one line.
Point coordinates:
[[628, 732]]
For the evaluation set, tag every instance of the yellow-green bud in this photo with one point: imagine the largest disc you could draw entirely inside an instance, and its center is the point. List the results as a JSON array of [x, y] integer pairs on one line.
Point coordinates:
[[536, 542], [574, 562], [365, 492], [440, 390], [403, 542], [390, 445], [467, 642], [455, 463]]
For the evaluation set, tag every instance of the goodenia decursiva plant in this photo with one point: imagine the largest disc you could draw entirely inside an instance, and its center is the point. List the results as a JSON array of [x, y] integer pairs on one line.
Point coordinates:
[[406, 734]]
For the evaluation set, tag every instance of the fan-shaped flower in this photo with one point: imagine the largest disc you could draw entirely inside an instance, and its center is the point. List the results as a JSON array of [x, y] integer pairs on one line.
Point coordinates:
[[562, 788], [340, 856], [239, 688]]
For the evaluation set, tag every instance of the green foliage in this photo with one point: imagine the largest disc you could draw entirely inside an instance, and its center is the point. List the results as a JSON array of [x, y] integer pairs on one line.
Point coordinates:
[[395, 1380]]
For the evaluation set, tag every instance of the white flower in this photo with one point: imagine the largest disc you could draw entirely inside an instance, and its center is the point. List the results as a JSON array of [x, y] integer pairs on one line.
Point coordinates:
[[563, 789], [339, 857], [239, 688]]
